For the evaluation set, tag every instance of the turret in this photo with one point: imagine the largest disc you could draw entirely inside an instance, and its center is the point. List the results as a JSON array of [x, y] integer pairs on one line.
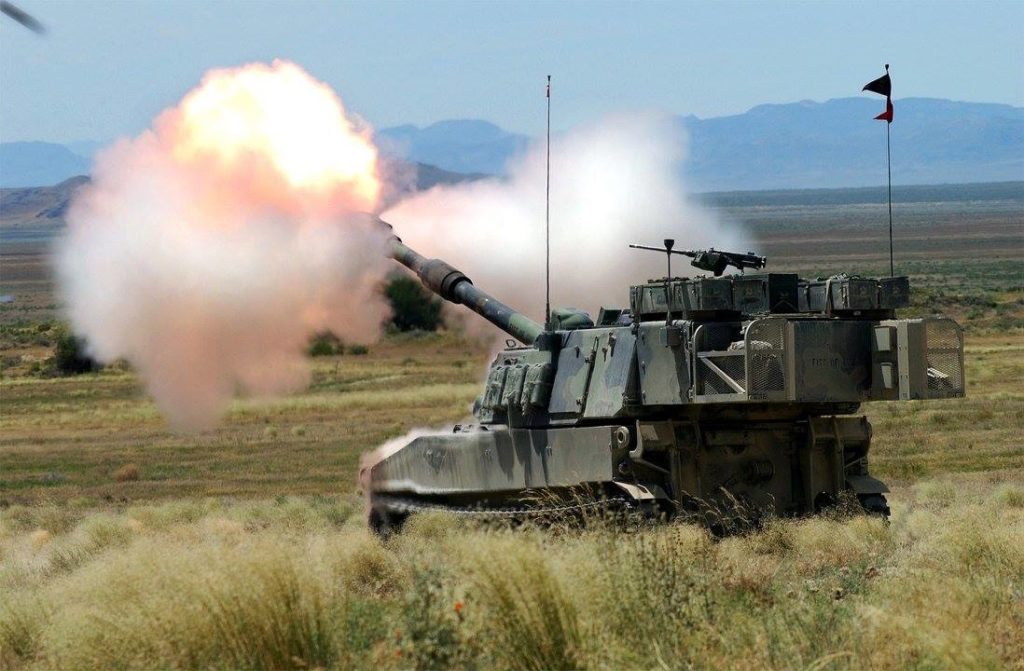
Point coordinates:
[[452, 285]]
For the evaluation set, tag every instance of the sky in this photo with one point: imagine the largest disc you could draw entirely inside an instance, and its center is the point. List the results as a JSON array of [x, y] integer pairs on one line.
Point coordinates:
[[105, 69]]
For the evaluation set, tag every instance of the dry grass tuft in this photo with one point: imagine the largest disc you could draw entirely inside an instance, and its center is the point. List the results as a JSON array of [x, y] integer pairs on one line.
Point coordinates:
[[39, 538], [22, 623], [1010, 495], [127, 473], [532, 616]]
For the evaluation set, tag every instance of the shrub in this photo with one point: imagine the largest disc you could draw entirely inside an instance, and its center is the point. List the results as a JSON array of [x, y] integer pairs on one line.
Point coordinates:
[[432, 623], [359, 350], [325, 343], [412, 306], [70, 357]]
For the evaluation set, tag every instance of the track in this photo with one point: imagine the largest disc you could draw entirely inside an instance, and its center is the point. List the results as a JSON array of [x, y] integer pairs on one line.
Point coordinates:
[[387, 513]]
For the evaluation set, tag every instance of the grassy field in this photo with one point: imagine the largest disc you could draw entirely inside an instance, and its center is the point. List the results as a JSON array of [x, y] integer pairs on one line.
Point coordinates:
[[65, 439], [298, 583], [124, 545]]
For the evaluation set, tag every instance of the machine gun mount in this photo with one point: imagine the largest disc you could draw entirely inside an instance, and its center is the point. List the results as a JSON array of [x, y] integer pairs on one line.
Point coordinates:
[[711, 259]]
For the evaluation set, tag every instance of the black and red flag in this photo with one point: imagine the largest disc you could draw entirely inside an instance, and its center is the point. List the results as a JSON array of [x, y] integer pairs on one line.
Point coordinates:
[[882, 86]]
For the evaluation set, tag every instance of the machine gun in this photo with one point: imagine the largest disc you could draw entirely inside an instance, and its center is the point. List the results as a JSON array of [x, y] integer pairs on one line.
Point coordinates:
[[712, 259]]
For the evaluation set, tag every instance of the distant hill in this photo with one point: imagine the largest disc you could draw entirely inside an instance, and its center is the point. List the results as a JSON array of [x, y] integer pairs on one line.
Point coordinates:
[[428, 176], [38, 206], [39, 164], [43, 207], [33, 164], [461, 145]]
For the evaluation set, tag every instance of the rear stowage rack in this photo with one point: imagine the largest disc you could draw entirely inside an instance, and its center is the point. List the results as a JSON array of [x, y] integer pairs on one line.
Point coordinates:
[[821, 360]]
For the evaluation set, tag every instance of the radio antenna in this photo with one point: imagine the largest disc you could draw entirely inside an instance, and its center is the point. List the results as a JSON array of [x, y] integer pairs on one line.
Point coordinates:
[[669, 243], [547, 220]]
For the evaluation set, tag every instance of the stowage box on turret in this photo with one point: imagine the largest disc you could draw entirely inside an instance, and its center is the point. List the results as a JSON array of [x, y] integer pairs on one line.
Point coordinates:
[[712, 393]]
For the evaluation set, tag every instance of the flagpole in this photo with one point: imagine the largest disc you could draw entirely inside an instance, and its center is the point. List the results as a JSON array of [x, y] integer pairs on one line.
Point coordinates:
[[547, 220], [888, 165], [883, 86]]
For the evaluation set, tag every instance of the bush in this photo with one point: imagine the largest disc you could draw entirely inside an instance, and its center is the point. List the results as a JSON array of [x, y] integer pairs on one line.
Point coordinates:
[[359, 350], [432, 633], [412, 306], [325, 344], [70, 357]]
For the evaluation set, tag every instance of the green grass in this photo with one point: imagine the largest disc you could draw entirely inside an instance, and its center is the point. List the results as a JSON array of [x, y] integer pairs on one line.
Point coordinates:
[[64, 438], [978, 433]]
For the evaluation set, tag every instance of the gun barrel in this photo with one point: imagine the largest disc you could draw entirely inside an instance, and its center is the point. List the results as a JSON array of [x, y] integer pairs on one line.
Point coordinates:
[[681, 252], [452, 285]]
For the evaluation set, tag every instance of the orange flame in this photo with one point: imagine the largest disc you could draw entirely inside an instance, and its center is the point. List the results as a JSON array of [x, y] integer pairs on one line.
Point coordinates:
[[278, 134], [206, 250]]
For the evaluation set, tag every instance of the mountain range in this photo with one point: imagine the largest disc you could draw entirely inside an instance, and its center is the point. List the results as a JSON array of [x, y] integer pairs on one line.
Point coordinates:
[[798, 145], [839, 144], [42, 208]]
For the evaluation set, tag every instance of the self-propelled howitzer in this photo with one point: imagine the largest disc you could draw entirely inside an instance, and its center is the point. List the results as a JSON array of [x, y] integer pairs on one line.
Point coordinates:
[[706, 395]]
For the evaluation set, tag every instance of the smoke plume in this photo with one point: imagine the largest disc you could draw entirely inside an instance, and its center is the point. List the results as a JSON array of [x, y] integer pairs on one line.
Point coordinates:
[[206, 250], [612, 183]]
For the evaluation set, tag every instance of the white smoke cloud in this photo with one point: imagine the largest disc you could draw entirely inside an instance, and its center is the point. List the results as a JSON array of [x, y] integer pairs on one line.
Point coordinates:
[[612, 183], [208, 270]]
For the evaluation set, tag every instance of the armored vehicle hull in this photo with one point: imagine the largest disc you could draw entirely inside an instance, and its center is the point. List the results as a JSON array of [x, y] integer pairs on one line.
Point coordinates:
[[707, 395]]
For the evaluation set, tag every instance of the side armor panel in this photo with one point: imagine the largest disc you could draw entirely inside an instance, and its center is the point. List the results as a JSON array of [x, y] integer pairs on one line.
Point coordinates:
[[572, 377], [614, 365], [498, 460], [663, 366]]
